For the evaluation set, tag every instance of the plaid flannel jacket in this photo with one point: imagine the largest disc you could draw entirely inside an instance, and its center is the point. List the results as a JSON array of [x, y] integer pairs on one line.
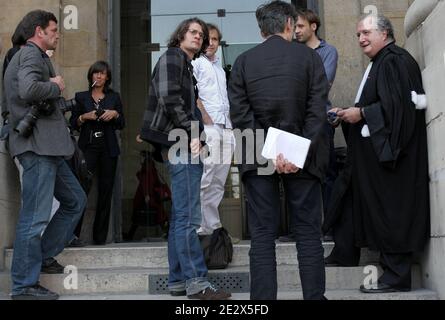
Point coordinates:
[[172, 99]]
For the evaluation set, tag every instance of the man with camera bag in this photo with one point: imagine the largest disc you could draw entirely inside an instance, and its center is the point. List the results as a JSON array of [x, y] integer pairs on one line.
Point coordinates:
[[31, 89]]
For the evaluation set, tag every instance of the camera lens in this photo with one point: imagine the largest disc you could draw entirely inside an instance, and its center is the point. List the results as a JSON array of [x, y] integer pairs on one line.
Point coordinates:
[[26, 125], [70, 104]]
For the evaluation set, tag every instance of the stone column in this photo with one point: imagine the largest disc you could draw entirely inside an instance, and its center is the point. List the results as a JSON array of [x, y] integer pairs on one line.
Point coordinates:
[[424, 27]]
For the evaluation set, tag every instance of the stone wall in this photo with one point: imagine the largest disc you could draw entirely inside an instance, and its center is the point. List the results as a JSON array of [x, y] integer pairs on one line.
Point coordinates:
[[78, 48], [424, 26]]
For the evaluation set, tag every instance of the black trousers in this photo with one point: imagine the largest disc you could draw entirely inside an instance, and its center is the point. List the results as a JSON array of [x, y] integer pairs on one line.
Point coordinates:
[[102, 165], [345, 252], [304, 202], [331, 175], [396, 266], [332, 171], [396, 269]]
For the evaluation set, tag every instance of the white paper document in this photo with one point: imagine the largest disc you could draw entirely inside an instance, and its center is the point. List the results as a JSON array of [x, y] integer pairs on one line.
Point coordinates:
[[294, 148]]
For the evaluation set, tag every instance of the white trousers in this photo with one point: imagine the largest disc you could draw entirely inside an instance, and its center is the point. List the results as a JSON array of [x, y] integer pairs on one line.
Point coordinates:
[[221, 144]]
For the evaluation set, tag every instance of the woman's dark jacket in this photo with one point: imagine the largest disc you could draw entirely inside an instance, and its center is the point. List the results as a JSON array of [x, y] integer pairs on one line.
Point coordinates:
[[85, 104]]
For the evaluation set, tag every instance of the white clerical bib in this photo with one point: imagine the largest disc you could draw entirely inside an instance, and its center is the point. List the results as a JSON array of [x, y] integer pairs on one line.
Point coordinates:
[[362, 85]]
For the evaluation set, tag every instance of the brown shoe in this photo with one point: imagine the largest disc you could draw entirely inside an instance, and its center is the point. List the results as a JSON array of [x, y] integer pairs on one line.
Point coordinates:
[[211, 293]]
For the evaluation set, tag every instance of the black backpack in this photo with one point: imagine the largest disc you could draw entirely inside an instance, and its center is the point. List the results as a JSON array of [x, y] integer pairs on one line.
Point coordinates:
[[218, 249]]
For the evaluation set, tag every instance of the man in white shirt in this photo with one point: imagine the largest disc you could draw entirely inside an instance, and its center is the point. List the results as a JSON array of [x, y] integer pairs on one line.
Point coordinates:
[[214, 106]]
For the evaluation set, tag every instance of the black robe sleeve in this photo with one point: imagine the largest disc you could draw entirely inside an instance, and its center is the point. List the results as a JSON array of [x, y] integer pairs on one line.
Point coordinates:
[[391, 119]]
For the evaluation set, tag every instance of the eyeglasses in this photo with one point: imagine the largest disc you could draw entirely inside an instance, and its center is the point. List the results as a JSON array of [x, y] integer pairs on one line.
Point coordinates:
[[195, 32]]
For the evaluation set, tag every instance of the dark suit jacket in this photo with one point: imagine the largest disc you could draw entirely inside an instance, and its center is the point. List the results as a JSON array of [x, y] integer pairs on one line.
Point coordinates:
[[282, 84], [85, 104]]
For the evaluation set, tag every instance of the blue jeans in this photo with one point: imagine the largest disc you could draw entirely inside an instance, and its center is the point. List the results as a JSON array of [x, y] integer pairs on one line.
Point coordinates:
[[187, 268], [43, 178]]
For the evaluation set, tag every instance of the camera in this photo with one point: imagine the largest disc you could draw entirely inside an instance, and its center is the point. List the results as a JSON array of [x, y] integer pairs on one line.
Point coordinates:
[[42, 108], [99, 112]]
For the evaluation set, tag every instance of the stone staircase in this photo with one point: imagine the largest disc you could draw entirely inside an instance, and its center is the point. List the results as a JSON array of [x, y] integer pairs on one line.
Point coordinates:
[[138, 271]]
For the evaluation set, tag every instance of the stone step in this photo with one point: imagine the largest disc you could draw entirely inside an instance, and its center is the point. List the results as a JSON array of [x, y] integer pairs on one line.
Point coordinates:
[[149, 280], [154, 255], [418, 294]]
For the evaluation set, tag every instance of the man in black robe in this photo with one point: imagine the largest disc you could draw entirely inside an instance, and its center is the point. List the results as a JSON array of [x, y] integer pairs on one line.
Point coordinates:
[[384, 189]]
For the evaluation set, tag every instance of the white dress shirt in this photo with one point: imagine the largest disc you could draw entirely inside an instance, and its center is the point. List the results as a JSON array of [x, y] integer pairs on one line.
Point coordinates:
[[212, 89]]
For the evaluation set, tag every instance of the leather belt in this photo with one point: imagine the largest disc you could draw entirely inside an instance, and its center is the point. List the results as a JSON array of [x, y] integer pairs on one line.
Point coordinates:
[[98, 134]]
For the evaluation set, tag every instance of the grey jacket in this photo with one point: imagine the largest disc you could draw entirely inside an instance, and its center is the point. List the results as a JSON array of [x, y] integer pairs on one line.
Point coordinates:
[[27, 81]]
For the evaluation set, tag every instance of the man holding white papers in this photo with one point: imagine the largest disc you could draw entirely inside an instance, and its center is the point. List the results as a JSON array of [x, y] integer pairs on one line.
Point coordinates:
[[282, 84]]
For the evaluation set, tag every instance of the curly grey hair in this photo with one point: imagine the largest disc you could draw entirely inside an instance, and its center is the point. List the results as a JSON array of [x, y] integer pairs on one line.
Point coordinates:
[[383, 24]]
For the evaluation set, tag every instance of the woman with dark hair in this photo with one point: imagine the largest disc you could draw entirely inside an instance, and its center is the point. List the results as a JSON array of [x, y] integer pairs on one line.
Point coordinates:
[[18, 40], [97, 115]]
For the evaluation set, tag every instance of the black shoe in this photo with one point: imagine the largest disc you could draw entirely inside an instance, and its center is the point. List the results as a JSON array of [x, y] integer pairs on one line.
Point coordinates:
[[328, 238], [211, 293], [51, 266], [288, 238], [36, 292], [178, 293], [382, 288], [77, 243]]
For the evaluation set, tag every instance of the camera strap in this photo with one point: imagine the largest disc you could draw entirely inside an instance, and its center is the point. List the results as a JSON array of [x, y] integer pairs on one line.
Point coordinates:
[[52, 73]]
